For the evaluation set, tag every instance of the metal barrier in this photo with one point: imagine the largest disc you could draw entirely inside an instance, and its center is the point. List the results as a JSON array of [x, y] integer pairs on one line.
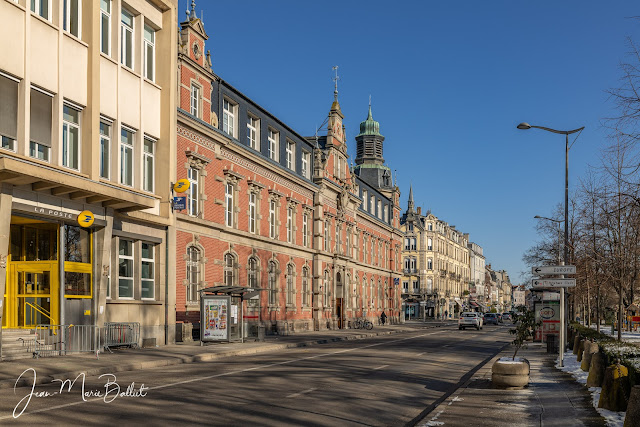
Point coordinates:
[[120, 334], [60, 340]]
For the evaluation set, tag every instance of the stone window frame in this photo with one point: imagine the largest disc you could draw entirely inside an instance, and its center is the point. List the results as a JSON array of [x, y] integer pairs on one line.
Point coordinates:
[[385, 257], [290, 284], [273, 273], [307, 212], [326, 289], [371, 285], [254, 187], [326, 237], [257, 271], [292, 224], [233, 269], [338, 234], [379, 293], [198, 162], [232, 178], [306, 285], [201, 283], [349, 247], [365, 239], [349, 293], [275, 196]]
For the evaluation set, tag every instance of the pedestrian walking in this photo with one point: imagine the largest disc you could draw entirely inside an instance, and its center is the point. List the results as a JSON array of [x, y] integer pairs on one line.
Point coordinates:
[[383, 318]]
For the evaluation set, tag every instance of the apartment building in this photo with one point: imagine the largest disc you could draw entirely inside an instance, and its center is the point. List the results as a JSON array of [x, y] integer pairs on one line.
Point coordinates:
[[87, 126]]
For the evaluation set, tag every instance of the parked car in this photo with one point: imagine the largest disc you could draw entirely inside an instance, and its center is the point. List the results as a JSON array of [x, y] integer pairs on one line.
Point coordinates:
[[506, 316], [470, 319], [491, 319]]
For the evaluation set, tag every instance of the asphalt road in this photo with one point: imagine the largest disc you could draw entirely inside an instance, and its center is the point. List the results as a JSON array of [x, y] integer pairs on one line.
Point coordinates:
[[382, 381]]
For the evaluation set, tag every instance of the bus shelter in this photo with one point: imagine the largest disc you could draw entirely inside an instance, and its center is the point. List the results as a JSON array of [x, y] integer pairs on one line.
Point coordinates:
[[222, 312]]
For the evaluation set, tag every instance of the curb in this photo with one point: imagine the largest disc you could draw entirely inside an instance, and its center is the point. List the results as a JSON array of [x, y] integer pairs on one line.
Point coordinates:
[[202, 357]]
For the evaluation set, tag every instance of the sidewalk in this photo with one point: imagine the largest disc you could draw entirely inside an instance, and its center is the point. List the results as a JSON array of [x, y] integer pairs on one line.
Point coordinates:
[[134, 359], [553, 398]]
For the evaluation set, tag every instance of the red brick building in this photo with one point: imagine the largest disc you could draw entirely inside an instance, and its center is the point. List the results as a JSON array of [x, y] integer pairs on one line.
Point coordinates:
[[270, 209]]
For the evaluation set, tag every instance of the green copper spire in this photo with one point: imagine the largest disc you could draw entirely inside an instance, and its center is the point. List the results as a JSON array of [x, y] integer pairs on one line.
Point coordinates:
[[369, 126]]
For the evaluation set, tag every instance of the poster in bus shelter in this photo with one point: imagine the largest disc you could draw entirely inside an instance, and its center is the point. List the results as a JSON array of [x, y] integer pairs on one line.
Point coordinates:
[[214, 318]]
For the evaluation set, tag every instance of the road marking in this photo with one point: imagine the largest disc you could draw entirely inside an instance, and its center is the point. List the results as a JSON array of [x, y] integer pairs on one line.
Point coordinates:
[[418, 355], [380, 367], [301, 393], [225, 374]]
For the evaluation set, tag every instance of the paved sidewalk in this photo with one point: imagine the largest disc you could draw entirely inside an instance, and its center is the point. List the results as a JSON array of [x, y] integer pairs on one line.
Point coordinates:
[[553, 398], [134, 359]]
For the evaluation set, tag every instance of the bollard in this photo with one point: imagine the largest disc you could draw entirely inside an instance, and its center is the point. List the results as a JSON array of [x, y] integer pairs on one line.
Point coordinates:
[[596, 370], [632, 417], [589, 349], [615, 388], [580, 350], [576, 343]]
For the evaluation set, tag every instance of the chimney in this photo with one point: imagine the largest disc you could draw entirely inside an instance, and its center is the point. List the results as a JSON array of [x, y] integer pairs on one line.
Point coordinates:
[[419, 210]]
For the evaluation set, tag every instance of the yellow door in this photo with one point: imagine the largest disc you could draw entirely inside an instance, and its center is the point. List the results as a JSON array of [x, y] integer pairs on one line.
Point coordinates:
[[32, 294]]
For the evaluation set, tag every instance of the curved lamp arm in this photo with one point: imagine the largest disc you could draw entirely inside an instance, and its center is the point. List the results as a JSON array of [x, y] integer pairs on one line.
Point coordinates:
[[563, 132]]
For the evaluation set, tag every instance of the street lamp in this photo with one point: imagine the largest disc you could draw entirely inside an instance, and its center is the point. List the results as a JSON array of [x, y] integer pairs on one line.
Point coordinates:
[[566, 133]]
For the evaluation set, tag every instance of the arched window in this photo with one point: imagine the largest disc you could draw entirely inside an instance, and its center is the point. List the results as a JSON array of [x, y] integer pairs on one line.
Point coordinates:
[[252, 273], [348, 294], [325, 287], [194, 258], [380, 293], [305, 286], [290, 285], [273, 283], [229, 267], [370, 302]]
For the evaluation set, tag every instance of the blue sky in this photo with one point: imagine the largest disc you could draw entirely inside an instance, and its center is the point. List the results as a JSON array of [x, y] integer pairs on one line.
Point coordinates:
[[449, 82]]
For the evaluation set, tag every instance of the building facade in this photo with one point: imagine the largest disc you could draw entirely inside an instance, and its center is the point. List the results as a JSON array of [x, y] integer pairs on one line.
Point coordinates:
[[436, 265], [87, 114], [271, 210], [477, 263]]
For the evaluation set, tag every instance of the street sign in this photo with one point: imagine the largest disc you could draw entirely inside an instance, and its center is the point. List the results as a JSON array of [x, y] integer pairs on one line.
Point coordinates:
[[553, 283], [179, 203], [554, 269]]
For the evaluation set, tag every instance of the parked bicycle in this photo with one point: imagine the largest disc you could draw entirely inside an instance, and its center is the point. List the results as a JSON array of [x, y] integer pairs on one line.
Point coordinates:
[[362, 324]]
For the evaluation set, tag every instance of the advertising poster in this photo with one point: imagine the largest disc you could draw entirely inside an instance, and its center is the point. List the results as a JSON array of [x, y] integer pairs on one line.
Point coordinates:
[[214, 320], [549, 313]]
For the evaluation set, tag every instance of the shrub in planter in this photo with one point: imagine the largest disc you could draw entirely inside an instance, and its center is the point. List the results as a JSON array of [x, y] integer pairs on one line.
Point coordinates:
[[615, 388]]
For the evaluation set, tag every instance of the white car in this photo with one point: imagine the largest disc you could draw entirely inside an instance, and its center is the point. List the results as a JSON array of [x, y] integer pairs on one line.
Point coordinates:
[[470, 319]]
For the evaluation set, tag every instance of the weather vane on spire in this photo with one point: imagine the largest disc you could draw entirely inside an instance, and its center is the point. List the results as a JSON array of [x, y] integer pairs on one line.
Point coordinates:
[[335, 79], [369, 100], [193, 10]]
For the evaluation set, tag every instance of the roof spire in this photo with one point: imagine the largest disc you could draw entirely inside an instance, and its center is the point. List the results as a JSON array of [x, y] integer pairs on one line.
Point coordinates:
[[335, 79], [193, 10], [410, 203]]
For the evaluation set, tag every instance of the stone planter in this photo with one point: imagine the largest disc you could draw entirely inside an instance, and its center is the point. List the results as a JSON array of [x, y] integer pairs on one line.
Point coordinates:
[[596, 370], [632, 417], [184, 332], [615, 388], [507, 373], [589, 349], [576, 343], [580, 350]]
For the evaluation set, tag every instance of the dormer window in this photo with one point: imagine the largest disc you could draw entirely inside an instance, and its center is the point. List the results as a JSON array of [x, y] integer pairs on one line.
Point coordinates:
[[229, 118]]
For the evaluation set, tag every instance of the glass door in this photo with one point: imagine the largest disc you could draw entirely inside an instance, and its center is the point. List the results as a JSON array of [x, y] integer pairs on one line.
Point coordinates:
[[32, 295]]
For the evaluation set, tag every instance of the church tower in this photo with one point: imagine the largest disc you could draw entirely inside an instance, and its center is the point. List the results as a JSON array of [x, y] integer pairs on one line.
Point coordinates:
[[369, 161]]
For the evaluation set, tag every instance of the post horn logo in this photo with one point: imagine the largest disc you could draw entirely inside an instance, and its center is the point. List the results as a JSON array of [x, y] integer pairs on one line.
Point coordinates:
[[86, 218], [181, 186]]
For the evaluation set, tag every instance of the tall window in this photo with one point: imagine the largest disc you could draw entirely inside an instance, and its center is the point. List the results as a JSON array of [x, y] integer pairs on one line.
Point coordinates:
[[373, 205], [228, 205], [8, 113], [289, 225], [386, 213], [148, 271], [105, 150], [148, 169], [290, 285], [273, 138], [326, 235], [253, 132], [228, 118], [305, 229], [306, 161], [70, 137], [42, 8], [126, 39], [125, 269], [195, 100], [72, 16], [348, 245], [305, 286], [429, 263], [252, 273], [429, 244], [149, 52], [413, 243], [192, 200], [105, 26], [273, 283], [41, 125], [326, 286], [338, 238], [272, 219], [229, 261], [193, 273], [291, 148], [407, 244], [126, 157], [252, 212]]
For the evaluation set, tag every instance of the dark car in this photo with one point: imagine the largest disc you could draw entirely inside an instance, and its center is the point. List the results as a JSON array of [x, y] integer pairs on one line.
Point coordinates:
[[490, 319]]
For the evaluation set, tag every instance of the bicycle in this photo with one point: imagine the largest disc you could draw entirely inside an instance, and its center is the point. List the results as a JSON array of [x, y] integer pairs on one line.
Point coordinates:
[[362, 324]]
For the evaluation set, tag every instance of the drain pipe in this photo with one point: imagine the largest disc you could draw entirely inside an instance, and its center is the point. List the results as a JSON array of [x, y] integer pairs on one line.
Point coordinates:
[[166, 286]]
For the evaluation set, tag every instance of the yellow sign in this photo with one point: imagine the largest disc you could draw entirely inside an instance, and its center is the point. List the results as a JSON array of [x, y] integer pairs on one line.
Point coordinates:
[[87, 312], [181, 186], [85, 218]]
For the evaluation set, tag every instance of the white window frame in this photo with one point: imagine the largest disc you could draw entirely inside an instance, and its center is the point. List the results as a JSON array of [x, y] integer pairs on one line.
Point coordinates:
[[193, 282], [372, 200], [429, 263], [274, 141], [66, 131], [253, 132], [105, 141], [151, 282], [289, 225], [105, 14], [306, 161], [429, 244], [124, 149], [193, 199], [291, 155], [290, 285], [252, 212], [272, 219], [273, 283], [131, 278], [67, 17], [124, 48], [305, 286], [146, 157], [326, 236], [149, 44], [195, 100], [305, 229], [228, 268], [228, 117], [228, 204], [36, 7]]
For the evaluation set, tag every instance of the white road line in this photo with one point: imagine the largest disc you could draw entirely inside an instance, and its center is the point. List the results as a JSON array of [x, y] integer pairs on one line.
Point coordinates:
[[301, 393], [380, 367], [208, 377], [418, 355]]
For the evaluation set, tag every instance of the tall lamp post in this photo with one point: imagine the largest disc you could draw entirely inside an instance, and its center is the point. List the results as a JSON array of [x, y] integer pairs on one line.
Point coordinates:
[[566, 133]]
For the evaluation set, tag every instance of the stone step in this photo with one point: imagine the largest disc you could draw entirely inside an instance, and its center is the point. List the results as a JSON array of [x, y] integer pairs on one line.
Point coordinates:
[[6, 358]]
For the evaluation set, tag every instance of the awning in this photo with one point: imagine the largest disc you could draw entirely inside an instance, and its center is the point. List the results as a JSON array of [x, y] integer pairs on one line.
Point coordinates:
[[234, 291], [458, 302], [474, 304]]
